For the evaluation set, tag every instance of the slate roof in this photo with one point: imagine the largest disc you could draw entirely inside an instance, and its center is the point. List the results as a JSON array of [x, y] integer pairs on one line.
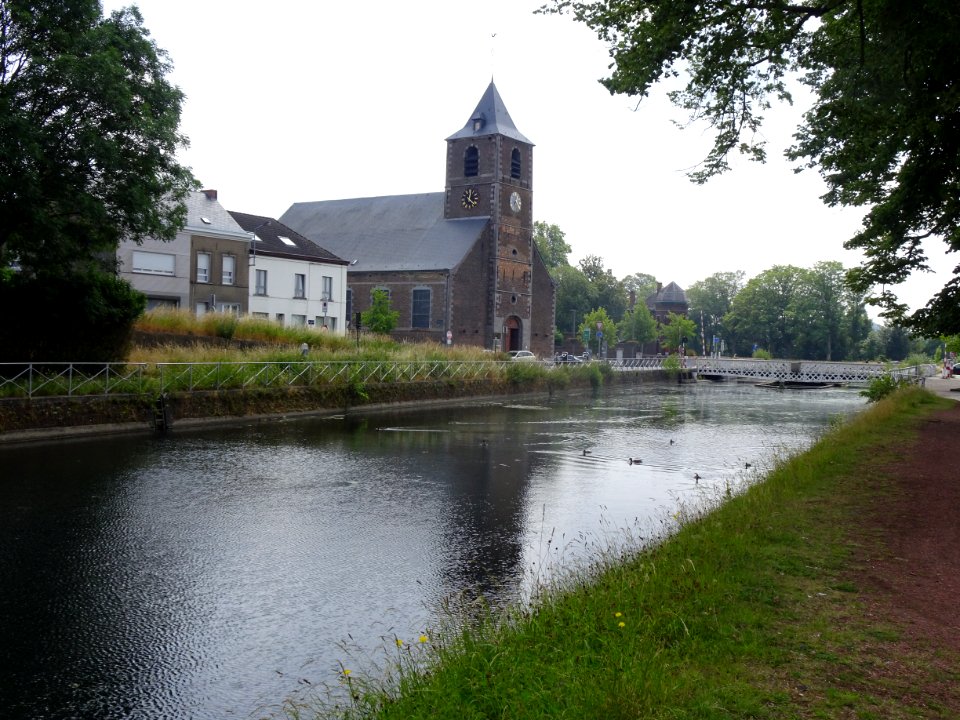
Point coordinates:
[[206, 215], [671, 294], [494, 116], [390, 233], [269, 231]]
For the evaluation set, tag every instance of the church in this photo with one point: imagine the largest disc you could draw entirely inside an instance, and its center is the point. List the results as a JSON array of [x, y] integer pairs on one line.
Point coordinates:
[[460, 266]]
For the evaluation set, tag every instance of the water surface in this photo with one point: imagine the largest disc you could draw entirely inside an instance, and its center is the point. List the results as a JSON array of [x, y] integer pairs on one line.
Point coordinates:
[[208, 574]]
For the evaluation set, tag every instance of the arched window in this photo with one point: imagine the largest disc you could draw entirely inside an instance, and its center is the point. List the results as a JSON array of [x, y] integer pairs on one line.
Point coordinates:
[[515, 164], [471, 162]]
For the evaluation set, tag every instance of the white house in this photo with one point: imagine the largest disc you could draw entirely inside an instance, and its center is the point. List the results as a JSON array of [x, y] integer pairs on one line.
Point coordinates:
[[293, 281], [203, 268]]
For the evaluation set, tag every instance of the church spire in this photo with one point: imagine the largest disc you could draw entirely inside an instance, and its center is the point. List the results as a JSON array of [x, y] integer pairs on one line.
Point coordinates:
[[490, 118]]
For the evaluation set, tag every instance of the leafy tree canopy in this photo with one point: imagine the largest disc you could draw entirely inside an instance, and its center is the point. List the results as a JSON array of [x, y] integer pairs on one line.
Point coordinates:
[[641, 284], [553, 248], [598, 321], [638, 325], [676, 331], [88, 136], [610, 293], [380, 318], [884, 129]]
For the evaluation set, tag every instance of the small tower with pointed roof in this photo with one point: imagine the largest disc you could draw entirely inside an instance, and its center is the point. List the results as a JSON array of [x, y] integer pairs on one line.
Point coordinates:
[[490, 173]]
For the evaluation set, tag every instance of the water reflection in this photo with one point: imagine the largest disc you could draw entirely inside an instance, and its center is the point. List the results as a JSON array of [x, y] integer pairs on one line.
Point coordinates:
[[199, 575]]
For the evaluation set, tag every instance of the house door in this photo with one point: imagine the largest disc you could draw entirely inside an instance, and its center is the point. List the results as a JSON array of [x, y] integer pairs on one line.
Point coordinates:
[[512, 336]]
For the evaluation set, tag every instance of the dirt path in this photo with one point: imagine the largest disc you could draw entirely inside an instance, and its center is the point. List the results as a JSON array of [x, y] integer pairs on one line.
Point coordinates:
[[913, 580]]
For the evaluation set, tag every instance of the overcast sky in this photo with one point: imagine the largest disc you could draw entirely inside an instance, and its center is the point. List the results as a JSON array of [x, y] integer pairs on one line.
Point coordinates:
[[290, 101]]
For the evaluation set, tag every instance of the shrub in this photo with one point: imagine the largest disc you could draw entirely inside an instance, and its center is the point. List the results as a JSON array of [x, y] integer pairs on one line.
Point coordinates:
[[80, 317], [884, 385]]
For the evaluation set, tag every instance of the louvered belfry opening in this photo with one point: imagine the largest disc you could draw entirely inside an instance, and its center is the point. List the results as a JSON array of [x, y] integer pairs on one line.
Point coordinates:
[[471, 162]]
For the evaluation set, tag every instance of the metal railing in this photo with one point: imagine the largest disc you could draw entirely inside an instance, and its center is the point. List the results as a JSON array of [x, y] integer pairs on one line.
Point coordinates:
[[223, 375], [70, 379], [32, 380]]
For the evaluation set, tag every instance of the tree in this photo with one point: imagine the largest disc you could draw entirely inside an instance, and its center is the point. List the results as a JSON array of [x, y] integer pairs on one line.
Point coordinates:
[[710, 300], [884, 128], [380, 318], [88, 137], [575, 297], [553, 248], [763, 314], [638, 325], [641, 284], [598, 321], [676, 331], [610, 293]]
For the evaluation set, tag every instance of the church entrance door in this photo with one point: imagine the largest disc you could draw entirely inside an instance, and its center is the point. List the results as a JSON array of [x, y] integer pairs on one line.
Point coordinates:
[[512, 336]]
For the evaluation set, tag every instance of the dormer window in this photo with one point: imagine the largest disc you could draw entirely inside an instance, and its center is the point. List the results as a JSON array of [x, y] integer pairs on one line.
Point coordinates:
[[478, 121], [471, 162], [515, 164]]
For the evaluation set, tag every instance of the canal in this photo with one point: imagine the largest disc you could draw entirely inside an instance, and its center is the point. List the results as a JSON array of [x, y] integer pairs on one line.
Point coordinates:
[[213, 573]]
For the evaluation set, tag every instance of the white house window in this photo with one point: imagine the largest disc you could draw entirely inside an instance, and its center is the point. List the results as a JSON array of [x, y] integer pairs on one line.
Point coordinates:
[[229, 267], [327, 288], [154, 263], [261, 287], [299, 285], [232, 308], [261, 315], [298, 319], [326, 322], [203, 267]]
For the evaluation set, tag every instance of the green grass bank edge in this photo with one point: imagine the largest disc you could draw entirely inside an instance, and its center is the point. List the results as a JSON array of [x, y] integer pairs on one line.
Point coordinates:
[[746, 610], [22, 418]]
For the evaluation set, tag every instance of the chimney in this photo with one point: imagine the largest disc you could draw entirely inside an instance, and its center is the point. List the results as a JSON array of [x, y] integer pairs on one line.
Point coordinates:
[[211, 194]]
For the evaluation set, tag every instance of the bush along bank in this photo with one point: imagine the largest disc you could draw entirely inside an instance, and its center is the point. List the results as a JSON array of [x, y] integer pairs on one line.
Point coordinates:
[[743, 609], [40, 418]]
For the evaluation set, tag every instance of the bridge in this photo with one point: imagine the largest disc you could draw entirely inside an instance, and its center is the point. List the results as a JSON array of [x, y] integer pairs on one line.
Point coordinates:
[[783, 372]]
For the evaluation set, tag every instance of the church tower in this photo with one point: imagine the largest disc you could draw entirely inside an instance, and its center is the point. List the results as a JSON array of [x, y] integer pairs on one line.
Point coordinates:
[[490, 174]]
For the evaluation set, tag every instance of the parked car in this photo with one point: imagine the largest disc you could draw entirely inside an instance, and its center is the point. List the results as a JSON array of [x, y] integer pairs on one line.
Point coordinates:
[[566, 358], [522, 355]]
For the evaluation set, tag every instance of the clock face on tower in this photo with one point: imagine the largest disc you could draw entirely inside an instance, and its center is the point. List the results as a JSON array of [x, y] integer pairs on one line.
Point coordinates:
[[515, 202], [470, 198]]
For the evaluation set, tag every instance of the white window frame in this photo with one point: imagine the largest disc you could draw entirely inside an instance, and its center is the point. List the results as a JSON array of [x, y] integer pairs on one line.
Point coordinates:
[[203, 267], [151, 263], [228, 277], [261, 288], [327, 293], [298, 320], [299, 285]]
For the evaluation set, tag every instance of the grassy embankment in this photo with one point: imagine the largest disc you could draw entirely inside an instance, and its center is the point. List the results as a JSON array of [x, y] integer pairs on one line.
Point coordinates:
[[180, 337], [748, 611]]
